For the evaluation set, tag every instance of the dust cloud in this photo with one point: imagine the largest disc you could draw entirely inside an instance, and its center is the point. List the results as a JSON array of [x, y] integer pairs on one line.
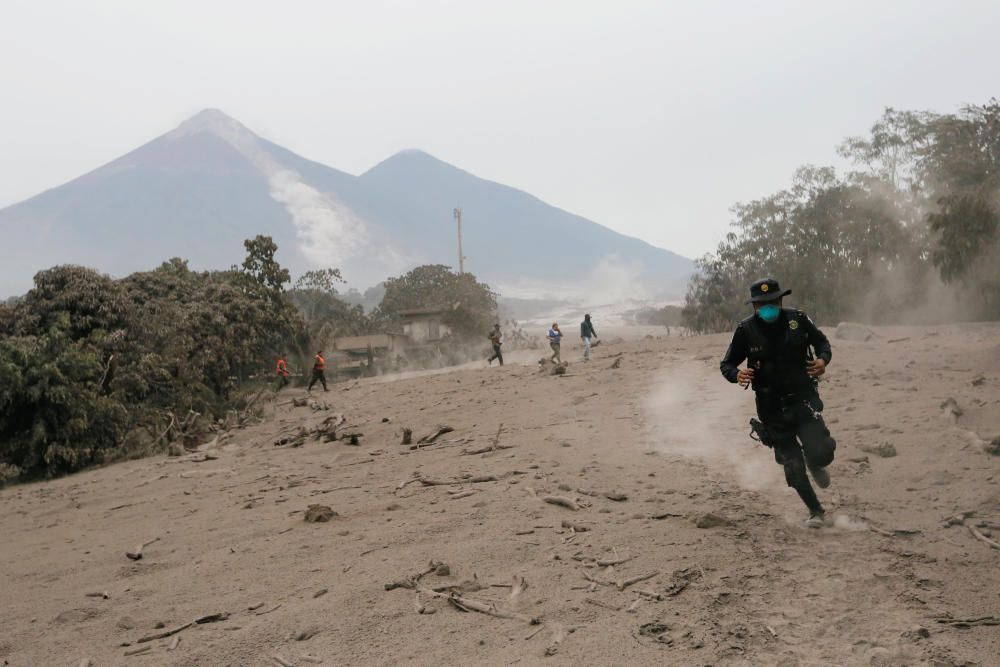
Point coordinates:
[[694, 414]]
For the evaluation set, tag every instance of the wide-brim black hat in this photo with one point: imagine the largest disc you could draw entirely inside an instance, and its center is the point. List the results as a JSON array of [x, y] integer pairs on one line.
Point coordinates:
[[766, 290]]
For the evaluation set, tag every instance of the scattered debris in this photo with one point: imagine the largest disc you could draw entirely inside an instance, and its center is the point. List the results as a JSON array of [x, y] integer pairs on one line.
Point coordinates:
[[951, 409], [978, 380], [616, 365], [407, 436], [575, 527], [615, 496], [428, 439], [137, 553], [561, 501], [598, 603], [319, 514], [681, 579], [886, 450], [710, 520], [969, 622], [307, 634]]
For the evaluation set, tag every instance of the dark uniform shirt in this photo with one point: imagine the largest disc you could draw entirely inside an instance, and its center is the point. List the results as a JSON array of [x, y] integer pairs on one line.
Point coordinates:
[[776, 335]]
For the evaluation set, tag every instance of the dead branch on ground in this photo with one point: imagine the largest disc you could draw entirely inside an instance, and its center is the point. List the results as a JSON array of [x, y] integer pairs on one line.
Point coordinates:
[[137, 554]]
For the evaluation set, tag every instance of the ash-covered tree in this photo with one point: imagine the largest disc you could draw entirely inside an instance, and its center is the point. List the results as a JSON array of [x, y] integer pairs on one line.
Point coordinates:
[[87, 361], [325, 315], [469, 306], [261, 266]]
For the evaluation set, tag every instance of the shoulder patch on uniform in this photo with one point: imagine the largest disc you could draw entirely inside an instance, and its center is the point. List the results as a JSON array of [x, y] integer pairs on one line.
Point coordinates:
[[794, 324]]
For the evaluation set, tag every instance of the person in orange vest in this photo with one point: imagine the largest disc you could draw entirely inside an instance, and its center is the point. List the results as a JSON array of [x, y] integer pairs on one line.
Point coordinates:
[[319, 371], [282, 372]]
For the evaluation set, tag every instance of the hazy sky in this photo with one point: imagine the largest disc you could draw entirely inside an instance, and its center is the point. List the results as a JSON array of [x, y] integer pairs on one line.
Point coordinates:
[[652, 118]]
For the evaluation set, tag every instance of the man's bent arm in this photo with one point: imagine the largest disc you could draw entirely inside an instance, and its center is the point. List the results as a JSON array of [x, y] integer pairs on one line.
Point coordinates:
[[735, 355], [819, 341]]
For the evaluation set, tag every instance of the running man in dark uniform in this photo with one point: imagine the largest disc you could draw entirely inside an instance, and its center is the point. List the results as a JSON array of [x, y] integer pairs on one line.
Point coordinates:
[[785, 354]]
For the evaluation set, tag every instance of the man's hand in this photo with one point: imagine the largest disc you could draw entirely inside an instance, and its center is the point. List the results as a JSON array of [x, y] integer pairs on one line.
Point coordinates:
[[816, 367], [744, 377]]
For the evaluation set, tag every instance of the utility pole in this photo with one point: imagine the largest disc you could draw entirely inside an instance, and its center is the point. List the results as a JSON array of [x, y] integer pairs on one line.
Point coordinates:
[[461, 257]]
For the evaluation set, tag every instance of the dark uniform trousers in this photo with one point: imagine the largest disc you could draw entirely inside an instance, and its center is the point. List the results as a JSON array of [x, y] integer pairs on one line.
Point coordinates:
[[789, 421], [497, 354]]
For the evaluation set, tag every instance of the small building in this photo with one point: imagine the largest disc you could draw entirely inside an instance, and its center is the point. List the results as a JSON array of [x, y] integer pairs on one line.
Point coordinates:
[[424, 325]]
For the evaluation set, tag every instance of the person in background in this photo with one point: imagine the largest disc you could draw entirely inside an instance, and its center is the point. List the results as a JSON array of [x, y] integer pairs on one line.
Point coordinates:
[[555, 340], [496, 339], [282, 372], [586, 333], [319, 371]]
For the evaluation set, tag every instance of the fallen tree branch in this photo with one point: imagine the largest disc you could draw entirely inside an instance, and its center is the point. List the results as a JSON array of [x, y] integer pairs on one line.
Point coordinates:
[[598, 603], [979, 536], [137, 554], [622, 585], [164, 634], [561, 501], [428, 439], [608, 562], [969, 622]]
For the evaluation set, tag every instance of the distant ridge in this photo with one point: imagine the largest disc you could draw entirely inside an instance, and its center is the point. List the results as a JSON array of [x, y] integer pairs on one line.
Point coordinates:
[[199, 190]]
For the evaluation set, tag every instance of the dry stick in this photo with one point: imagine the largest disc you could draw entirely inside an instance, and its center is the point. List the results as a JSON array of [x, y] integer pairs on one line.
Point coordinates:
[[561, 501], [622, 585], [979, 536], [274, 608], [164, 634], [468, 604], [463, 494], [635, 603], [534, 632], [166, 430], [359, 462], [281, 661], [608, 562], [598, 603], [137, 651], [137, 554], [486, 449]]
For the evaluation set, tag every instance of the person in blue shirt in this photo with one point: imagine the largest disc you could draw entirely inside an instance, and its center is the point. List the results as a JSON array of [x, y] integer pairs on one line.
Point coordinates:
[[555, 338]]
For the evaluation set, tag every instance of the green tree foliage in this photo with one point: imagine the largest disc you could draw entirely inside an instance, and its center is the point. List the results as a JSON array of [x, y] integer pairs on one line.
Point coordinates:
[[470, 306], [85, 360], [261, 266], [927, 187]]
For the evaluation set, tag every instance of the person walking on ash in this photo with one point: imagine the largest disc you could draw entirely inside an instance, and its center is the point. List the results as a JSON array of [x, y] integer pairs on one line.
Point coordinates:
[[555, 342], [318, 372], [778, 345], [496, 340], [586, 334], [281, 370]]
